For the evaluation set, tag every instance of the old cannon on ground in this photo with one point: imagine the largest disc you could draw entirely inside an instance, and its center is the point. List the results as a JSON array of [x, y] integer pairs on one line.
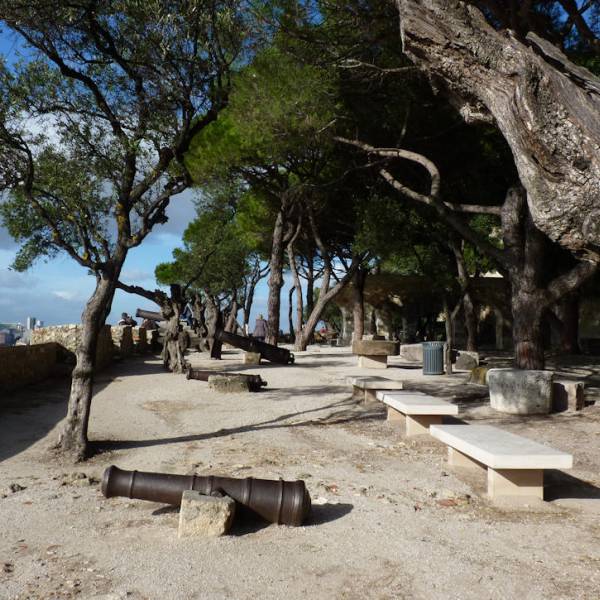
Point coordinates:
[[267, 351], [255, 382], [282, 502]]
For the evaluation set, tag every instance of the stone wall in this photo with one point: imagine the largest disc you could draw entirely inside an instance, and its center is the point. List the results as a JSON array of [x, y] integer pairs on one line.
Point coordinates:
[[68, 338], [140, 340], [23, 365], [122, 338]]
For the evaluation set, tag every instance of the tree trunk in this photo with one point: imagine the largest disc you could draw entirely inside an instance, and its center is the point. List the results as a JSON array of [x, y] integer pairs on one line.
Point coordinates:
[[291, 313], [527, 310], [174, 345], [567, 312], [214, 322], [232, 317], [73, 438], [449, 326], [275, 280], [545, 106], [358, 303], [470, 322]]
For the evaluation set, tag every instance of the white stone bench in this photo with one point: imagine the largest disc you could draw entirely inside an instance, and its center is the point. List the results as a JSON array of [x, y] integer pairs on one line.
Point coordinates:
[[367, 387], [418, 411], [515, 465]]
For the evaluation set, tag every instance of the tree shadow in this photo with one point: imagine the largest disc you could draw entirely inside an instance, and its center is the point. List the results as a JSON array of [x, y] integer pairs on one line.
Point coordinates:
[[347, 412]]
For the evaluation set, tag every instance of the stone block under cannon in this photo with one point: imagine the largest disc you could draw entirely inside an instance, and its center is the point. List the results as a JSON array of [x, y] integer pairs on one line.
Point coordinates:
[[228, 382]]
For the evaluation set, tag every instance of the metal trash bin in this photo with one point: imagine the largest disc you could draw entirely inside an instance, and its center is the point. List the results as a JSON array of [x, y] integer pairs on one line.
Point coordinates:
[[433, 358]]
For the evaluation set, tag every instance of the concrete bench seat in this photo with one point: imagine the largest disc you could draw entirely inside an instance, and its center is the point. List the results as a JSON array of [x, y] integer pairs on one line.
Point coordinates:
[[515, 465], [418, 411], [367, 387]]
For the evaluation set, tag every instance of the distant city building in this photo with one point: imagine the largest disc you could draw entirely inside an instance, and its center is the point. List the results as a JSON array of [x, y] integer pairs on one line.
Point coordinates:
[[31, 321]]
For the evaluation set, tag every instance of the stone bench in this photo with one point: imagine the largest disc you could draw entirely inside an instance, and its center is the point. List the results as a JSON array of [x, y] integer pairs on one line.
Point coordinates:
[[515, 465], [372, 354], [418, 411], [367, 387]]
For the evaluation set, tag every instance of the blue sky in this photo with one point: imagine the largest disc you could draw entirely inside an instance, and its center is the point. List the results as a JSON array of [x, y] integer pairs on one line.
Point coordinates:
[[56, 291]]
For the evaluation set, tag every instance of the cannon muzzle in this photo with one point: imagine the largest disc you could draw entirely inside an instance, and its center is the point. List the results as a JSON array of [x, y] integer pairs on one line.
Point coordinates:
[[282, 502], [149, 314]]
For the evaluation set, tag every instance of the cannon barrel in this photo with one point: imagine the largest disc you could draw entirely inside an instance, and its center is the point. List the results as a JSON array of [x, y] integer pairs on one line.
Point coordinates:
[[267, 351], [149, 314], [255, 381], [282, 502]]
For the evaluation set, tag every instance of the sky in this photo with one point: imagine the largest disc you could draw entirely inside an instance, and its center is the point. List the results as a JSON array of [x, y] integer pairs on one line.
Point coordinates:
[[55, 291]]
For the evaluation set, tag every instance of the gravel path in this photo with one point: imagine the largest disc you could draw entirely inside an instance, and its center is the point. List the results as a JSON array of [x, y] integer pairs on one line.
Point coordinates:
[[390, 519]]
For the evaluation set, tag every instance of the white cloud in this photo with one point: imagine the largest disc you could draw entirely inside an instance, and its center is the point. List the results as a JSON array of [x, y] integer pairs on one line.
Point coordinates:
[[65, 295], [136, 275]]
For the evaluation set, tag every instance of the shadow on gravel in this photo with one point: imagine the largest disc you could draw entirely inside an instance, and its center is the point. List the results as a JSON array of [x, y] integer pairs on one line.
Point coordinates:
[[561, 485], [348, 411], [325, 513]]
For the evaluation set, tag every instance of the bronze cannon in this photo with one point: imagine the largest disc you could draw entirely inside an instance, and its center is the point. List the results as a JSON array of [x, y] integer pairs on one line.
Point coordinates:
[[281, 502], [149, 314], [267, 351], [255, 382]]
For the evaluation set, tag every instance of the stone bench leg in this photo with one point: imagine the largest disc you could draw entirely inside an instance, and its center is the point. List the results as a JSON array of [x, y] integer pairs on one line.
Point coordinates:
[[458, 459], [419, 424], [370, 396], [516, 483], [394, 416], [372, 361]]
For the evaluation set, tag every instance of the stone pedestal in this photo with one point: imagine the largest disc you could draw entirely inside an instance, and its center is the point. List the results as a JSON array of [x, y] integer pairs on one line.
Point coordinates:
[[520, 392], [458, 459], [515, 483], [567, 395], [252, 358], [205, 516], [419, 424], [372, 354], [395, 416]]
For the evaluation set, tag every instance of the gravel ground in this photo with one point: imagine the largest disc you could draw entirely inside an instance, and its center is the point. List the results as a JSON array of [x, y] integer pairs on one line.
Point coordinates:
[[390, 519]]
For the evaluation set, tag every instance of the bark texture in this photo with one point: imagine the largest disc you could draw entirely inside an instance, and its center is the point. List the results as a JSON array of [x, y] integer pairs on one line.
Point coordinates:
[[547, 108], [358, 303], [275, 279], [73, 439]]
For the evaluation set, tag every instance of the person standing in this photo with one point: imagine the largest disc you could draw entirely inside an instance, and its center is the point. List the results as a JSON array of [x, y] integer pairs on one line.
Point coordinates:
[[260, 329]]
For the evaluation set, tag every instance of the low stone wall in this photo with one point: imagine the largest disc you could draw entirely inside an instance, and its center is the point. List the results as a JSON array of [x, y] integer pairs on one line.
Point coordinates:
[[69, 336], [140, 340], [23, 365], [122, 339]]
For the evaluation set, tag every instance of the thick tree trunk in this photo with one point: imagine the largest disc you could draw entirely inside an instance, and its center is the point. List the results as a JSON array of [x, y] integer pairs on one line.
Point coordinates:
[[73, 438], [358, 303], [176, 340], [276, 279], [527, 310], [546, 107], [470, 316]]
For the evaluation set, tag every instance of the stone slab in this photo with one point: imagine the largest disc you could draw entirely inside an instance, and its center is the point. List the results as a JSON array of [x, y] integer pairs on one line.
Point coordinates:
[[372, 362], [205, 516], [374, 383], [500, 449], [419, 405], [374, 348], [382, 393], [228, 383], [520, 392]]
